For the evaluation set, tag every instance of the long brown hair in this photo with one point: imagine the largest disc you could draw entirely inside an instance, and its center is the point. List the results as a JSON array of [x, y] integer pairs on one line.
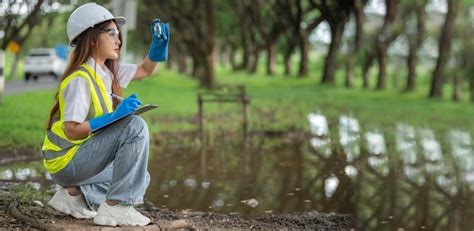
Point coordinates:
[[85, 49]]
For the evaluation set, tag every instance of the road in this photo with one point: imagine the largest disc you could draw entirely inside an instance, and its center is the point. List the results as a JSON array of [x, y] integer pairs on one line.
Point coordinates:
[[20, 86]]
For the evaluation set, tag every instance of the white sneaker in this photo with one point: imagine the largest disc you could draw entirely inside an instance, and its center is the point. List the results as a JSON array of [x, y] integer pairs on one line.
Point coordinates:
[[118, 214], [72, 205]]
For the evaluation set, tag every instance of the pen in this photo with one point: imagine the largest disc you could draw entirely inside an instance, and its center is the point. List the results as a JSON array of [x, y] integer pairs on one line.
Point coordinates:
[[116, 96]]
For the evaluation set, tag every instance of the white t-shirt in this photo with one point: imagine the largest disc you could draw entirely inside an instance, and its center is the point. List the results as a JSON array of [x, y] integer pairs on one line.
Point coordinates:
[[77, 93]]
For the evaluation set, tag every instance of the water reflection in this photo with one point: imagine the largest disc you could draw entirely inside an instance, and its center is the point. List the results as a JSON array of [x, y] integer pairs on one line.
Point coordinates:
[[18, 174], [461, 147], [400, 177], [7, 174], [319, 128], [25, 174], [330, 186], [351, 171], [405, 138], [375, 143], [349, 137]]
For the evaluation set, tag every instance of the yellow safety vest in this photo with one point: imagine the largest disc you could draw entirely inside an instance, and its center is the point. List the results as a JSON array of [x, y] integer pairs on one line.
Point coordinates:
[[57, 149]]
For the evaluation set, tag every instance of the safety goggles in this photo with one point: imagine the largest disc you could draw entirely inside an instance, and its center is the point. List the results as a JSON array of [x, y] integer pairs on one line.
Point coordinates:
[[112, 32]]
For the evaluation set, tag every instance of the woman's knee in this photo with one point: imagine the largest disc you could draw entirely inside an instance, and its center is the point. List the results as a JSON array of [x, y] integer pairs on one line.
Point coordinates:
[[138, 124]]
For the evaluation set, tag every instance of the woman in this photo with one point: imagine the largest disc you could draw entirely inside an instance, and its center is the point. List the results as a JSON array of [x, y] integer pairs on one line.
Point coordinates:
[[102, 169]]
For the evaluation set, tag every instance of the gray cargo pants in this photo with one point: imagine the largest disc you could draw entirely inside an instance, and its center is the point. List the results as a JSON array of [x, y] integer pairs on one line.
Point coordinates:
[[112, 165]]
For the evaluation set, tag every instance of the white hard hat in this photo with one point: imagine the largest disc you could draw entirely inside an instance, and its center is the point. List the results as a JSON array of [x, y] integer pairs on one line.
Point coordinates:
[[86, 16]]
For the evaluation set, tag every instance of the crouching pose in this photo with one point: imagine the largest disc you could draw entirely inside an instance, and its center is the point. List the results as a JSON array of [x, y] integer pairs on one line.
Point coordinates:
[[102, 172]]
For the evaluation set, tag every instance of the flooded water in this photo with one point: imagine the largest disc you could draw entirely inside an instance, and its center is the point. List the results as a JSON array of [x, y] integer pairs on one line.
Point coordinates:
[[400, 177]]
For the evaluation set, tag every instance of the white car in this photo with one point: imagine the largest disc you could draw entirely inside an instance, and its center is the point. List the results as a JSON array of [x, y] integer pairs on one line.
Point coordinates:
[[43, 62]]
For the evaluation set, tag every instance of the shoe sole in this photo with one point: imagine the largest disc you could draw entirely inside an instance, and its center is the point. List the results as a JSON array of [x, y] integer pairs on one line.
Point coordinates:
[[67, 211], [107, 221]]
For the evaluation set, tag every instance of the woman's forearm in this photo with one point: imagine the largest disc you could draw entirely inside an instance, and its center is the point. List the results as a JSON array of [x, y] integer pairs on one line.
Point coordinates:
[[145, 69], [75, 131]]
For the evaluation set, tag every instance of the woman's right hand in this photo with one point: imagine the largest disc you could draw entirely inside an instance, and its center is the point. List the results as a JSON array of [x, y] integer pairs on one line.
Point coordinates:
[[128, 105]]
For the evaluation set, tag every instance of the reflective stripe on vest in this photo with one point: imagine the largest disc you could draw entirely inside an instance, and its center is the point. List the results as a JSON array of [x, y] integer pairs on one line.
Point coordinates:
[[97, 89], [58, 150]]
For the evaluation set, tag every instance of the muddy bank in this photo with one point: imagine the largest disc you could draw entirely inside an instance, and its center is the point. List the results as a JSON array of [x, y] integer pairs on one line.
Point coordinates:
[[15, 155], [14, 215]]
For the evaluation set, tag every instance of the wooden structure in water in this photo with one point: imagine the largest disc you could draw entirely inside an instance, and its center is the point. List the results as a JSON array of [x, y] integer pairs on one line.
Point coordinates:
[[223, 94]]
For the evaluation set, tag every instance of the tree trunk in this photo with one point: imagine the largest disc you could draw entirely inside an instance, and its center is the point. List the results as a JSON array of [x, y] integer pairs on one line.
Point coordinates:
[[232, 60], [359, 32], [180, 56], [350, 70], [386, 35], [16, 57], [359, 19], [254, 62], [415, 44], [457, 83], [304, 50], [411, 62], [287, 55], [437, 80], [194, 71], [245, 58], [182, 65], [382, 58], [330, 64], [246, 50], [205, 70], [471, 88], [369, 59], [222, 55], [49, 21], [271, 58]]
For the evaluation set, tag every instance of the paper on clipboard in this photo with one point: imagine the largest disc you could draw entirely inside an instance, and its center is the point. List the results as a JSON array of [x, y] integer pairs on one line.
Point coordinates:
[[144, 109], [139, 111]]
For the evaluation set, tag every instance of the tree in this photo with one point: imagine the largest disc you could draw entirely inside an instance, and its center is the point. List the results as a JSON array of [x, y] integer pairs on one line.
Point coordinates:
[[366, 65], [445, 38], [302, 20], [17, 28], [196, 25], [228, 39], [415, 39], [355, 47], [251, 41], [336, 13], [388, 33], [270, 27], [465, 52]]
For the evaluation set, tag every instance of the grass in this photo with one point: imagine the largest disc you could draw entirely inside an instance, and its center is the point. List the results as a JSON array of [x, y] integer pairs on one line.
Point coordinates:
[[276, 103]]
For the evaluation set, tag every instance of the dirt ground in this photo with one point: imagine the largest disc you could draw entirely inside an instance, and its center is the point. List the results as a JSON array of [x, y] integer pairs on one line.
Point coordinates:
[[35, 215]]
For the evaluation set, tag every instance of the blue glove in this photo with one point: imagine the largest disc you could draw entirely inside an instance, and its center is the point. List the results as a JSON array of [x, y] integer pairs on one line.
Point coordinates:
[[126, 107], [160, 37]]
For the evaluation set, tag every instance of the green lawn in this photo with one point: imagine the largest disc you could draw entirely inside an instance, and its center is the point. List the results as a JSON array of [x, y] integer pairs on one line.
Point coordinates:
[[276, 103]]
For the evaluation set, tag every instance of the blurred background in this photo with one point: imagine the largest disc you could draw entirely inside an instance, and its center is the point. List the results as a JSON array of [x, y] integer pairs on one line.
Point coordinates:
[[362, 107], [403, 35]]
